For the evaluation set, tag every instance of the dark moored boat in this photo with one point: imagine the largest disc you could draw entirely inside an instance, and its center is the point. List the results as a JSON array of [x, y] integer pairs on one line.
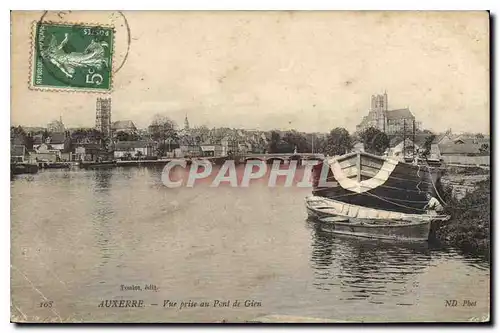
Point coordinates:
[[376, 182], [98, 165], [370, 196], [22, 168], [342, 218], [54, 165]]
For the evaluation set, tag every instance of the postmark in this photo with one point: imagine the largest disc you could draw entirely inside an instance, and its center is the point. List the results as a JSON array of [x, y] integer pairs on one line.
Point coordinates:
[[72, 56]]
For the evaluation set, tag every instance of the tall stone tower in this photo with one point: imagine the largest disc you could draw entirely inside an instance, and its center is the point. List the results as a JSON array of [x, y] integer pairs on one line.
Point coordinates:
[[103, 116], [379, 104], [186, 123]]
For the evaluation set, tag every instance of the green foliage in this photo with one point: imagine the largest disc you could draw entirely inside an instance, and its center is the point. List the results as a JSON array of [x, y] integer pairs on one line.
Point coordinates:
[[297, 140], [168, 144], [374, 140], [86, 134], [338, 142], [125, 136], [161, 128], [427, 145], [469, 226], [19, 136], [485, 149], [273, 143]]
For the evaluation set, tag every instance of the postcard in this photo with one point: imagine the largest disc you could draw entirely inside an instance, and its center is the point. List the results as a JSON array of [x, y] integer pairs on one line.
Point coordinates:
[[250, 166]]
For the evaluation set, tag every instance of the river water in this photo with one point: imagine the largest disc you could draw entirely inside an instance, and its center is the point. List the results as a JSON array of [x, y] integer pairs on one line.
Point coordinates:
[[78, 235]]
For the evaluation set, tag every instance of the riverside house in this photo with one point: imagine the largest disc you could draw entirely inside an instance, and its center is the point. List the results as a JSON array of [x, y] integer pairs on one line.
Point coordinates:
[[134, 149], [55, 148], [87, 152], [18, 153], [463, 154], [404, 148]]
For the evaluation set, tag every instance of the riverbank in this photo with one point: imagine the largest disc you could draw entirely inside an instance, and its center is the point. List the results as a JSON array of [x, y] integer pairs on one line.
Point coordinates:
[[469, 226]]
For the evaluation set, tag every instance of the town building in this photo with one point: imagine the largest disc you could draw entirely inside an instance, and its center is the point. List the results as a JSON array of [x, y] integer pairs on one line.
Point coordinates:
[[126, 126], [404, 148], [18, 153], [443, 138], [388, 121], [134, 149], [37, 141], [186, 131], [56, 125], [212, 150], [57, 147], [463, 154], [59, 141], [87, 152], [190, 150], [229, 145]]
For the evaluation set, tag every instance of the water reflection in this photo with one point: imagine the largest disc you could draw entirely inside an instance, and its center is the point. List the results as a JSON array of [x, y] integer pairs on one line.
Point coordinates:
[[102, 213], [366, 268], [123, 226]]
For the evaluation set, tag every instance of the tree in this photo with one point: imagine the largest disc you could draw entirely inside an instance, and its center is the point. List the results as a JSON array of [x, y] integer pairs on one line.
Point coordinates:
[[485, 149], [427, 145], [297, 140], [168, 144], [338, 142], [320, 144], [19, 136], [273, 143], [201, 132], [161, 128], [82, 135], [125, 136], [374, 140]]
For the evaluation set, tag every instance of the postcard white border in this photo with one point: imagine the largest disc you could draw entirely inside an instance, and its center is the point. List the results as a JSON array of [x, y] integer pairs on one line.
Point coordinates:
[[6, 6]]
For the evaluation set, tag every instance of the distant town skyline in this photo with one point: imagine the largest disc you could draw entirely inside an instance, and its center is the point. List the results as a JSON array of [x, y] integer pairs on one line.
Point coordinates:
[[309, 71], [180, 120]]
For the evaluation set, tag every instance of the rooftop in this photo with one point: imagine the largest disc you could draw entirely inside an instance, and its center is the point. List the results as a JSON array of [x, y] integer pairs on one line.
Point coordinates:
[[17, 150], [57, 138], [466, 148], [123, 125], [127, 145], [399, 114]]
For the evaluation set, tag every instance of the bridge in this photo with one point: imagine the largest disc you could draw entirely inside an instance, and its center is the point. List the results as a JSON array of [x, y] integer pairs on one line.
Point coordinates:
[[270, 158]]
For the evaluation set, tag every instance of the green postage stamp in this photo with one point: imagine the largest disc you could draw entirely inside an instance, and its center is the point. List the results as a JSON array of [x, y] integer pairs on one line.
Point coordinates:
[[72, 57]]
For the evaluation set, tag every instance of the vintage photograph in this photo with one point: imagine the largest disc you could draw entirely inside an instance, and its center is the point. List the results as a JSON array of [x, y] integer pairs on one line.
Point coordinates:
[[250, 166]]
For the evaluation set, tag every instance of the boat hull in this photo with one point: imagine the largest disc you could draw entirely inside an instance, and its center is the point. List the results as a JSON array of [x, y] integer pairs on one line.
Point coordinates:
[[97, 165], [372, 181], [418, 231], [23, 168], [56, 165], [347, 219]]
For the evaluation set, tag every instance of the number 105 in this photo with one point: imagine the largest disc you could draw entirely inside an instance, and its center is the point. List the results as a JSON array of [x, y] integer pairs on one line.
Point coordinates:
[[47, 304]]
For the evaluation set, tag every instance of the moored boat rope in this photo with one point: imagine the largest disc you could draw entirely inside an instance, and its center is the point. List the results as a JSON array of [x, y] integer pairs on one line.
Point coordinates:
[[435, 189], [389, 201], [418, 175]]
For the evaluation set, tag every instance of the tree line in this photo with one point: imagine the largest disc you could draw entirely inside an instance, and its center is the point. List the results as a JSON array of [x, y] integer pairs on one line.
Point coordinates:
[[337, 142]]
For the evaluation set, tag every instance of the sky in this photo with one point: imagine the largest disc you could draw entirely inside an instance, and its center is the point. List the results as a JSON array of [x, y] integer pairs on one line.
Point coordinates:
[[312, 71]]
